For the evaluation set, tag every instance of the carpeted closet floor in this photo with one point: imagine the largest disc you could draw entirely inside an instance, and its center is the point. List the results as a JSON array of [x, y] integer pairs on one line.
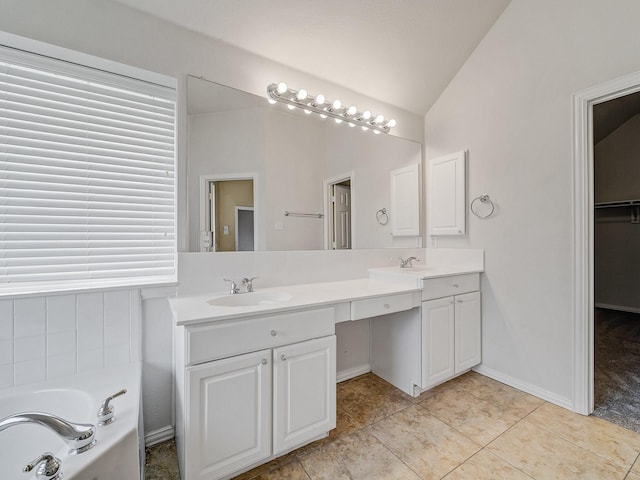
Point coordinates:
[[617, 368]]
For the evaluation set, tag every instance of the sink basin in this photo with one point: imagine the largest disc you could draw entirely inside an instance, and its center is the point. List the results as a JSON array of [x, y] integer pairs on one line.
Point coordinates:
[[250, 299]]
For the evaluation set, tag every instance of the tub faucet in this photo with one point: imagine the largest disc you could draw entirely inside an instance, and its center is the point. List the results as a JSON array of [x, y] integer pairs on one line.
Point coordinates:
[[47, 467], [80, 437], [407, 263], [106, 411]]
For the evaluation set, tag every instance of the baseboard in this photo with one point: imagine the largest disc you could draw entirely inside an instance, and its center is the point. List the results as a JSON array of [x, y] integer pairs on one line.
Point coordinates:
[[353, 372], [159, 436], [525, 387], [620, 308]]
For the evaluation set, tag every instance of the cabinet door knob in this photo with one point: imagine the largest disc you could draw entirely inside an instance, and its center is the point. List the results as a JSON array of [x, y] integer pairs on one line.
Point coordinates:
[[387, 306], [283, 357], [274, 333], [264, 361]]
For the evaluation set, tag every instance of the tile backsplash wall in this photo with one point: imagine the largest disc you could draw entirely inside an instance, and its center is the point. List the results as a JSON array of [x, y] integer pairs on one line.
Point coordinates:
[[60, 335]]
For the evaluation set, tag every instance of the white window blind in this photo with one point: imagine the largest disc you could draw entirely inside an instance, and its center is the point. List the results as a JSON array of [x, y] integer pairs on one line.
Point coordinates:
[[87, 177]]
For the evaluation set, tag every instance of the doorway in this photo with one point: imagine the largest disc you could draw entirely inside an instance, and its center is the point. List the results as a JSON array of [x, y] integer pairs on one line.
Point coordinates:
[[584, 233], [616, 158], [227, 221], [244, 229], [339, 213]]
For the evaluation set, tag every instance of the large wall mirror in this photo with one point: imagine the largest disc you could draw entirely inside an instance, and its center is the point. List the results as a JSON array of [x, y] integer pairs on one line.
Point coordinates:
[[262, 177]]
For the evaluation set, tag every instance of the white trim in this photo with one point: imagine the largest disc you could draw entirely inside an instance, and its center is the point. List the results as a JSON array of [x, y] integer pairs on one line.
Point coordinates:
[[351, 176], [60, 53], [352, 372], [583, 284], [619, 308], [158, 436], [221, 177], [524, 386]]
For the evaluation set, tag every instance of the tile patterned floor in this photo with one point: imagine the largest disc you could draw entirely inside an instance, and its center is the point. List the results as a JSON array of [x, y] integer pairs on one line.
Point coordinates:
[[471, 428]]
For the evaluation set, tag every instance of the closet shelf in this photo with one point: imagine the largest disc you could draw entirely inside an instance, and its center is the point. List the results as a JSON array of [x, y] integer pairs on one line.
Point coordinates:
[[620, 203], [633, 204]]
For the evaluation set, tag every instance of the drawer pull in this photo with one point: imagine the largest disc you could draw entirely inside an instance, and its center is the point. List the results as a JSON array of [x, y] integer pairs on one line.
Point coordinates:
[[283, 357], [387, 306], [459, 301], [455, 285], [274, 333], [264, 361]]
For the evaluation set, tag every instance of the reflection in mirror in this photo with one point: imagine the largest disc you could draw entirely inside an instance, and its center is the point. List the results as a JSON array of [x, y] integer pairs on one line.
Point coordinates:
[[299, 182]]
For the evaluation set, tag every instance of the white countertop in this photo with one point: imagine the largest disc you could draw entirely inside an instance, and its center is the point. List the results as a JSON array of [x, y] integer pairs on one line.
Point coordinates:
[[192, 309], [419, 272]]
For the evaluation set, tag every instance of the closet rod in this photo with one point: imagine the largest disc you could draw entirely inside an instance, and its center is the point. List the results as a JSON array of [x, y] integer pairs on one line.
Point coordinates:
[[622, 203]]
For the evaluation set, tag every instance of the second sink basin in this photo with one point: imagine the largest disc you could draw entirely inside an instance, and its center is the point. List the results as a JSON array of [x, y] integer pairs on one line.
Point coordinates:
[[249, 299]]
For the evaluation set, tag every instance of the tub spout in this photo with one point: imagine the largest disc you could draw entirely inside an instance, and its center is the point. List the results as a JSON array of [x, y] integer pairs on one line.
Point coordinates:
[[79, 436]]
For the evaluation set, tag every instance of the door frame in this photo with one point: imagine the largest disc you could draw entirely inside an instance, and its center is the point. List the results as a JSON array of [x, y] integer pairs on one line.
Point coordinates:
[[204, 181], [326, 187], [583, 232]]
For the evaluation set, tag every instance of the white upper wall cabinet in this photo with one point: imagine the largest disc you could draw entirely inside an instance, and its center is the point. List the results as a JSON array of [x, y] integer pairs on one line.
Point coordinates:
[[405, 201], [446, 195]]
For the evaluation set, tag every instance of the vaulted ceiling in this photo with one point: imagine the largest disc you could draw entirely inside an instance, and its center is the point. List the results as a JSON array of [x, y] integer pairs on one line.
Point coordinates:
[[403, 52]]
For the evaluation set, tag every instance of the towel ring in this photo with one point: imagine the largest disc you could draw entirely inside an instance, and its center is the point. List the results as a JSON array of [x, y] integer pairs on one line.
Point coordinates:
[[382, 216], [484, 198]]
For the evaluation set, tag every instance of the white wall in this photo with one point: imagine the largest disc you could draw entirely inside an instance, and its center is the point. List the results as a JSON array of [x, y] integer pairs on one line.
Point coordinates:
[[511, 106], [617, 256], [43, 338]]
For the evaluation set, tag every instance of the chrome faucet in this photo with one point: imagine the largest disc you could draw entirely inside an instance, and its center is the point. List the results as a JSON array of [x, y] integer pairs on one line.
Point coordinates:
[[106, 411], [47, 467], [408, 262], [80, 437], [248, 284], [233, 286], [245, 285]]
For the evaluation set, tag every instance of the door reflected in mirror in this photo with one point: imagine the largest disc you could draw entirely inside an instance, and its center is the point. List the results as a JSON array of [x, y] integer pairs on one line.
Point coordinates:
[[228, 215], [336, 176]]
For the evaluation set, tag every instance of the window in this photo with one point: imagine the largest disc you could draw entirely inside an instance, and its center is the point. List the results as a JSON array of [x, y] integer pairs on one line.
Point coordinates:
[[87, 177]]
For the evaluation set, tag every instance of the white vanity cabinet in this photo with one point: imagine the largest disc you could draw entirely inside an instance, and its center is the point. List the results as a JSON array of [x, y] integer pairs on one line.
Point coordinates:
[[451, 327], [253, 388], [228, 415]]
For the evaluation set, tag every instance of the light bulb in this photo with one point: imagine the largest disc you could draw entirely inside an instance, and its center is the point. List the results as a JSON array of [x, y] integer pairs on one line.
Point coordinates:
[[338, 120], [320, 99], [282, 87], [391, 123], [366, 114], [377, 132], [352, 124], [291, 107], [323, 116], [337, 104], [379, 119], [308, 112], [271, 101], [365, 128], [302, 94], [352, 110]]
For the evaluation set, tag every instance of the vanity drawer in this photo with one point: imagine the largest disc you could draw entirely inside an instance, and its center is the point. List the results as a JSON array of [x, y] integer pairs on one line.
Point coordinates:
[[225, 339], [372, 307], [447, 286]]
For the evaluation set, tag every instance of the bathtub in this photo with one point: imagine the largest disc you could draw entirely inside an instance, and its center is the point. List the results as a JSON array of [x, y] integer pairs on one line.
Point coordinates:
[[117, 453]]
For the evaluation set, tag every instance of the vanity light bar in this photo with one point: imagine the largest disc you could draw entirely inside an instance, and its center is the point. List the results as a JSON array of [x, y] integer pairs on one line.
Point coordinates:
[[318, 104]]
